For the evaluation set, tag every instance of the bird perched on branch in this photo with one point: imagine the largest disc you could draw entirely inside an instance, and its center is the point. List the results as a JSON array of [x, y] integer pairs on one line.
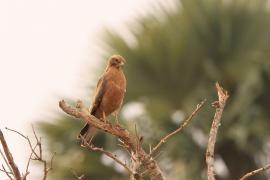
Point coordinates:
[[109, 94]]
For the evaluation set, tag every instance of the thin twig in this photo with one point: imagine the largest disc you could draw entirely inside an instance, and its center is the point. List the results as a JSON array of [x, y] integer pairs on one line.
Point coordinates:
[[38, 156], [3, 170], [158, 154], [25, 137], [29, 160], [125, 147], [52, 158], [38, 142], [252, 173], [219, 105], [5, 159], [182, 126], [77, 176], [25, 175], [144, 173], [9, 157], [7, 173], [107, 153], [137, 137], [46, 169]]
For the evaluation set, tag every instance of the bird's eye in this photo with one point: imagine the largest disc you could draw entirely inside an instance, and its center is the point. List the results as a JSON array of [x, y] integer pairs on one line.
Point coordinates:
[[117, 61]]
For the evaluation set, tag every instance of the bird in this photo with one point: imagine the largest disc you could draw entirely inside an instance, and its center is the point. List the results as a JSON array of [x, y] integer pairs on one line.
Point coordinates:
[[108, 96]]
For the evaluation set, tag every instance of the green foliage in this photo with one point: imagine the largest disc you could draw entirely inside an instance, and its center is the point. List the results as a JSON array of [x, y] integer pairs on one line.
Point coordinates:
[[173, 63]]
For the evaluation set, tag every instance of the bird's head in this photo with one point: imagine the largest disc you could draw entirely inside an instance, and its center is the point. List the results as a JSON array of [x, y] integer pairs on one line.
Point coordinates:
[[116, 61]]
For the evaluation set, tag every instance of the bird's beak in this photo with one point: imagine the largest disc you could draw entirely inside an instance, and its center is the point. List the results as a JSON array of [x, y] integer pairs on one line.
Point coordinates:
[[122, 63]]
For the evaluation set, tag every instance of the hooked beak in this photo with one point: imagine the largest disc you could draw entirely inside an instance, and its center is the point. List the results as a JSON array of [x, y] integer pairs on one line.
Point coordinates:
[[122, 63]]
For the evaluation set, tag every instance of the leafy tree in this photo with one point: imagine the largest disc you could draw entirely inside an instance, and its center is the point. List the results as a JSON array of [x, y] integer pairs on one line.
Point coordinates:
[[172, 63]]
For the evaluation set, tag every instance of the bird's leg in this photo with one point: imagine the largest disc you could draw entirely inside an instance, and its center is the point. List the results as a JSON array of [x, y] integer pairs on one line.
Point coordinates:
[[116, 117], [104, 117]]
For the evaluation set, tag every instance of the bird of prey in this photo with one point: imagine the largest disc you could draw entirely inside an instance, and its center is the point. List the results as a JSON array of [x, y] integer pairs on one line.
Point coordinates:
[[109, 94]]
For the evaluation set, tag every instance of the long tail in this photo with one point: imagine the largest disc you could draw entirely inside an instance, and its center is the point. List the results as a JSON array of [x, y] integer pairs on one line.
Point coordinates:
[[87, 132]]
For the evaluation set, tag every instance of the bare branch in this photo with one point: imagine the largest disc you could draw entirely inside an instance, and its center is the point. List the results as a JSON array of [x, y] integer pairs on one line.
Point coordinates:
[[7, 173], [219, 105], [46, 169], [28, 162], [77, 176], [125, 147], [135, 166], [107, 153], [25, 137], [115, 130], [182, 126], [37, 156], [130, 141], [38, 141], [252, 173], [9, 157], [51, 161], [25, 175], [32, 151], [45, 165], [5, 159]]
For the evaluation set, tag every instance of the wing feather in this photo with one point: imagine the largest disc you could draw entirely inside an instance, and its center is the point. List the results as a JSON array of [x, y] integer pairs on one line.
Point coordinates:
[[100, 91]]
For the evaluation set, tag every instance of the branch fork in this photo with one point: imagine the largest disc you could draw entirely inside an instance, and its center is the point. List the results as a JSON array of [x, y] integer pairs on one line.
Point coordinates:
[[140, 159], [14, 173], [219, 105]]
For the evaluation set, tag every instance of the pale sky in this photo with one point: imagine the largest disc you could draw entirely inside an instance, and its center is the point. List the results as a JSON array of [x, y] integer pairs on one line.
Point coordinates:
[[46, 47]]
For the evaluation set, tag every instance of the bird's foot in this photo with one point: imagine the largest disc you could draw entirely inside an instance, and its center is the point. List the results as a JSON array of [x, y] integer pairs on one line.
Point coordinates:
[[116, 118], [104, 117], [117, 121]]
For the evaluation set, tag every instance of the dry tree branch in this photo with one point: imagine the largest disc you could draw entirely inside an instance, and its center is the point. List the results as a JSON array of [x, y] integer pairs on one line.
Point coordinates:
[[107, 153], [135, 166], [28, 163], [122, 145], [252, 173], [40, 158], [7, 173], [5, 159], [4, 170], [46, 169], [37, 156], [15, 170], [25, 137], [81, 112], [111, 155], [182, 126], [32, 151], [219, 105], [78, 177], [130, 141]]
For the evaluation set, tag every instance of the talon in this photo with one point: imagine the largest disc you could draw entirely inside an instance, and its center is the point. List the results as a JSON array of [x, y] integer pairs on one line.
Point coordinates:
[[116, 118]]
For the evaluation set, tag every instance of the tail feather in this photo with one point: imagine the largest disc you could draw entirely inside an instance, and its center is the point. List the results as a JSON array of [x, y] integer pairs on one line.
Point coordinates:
[[87, 132], [83, 130]]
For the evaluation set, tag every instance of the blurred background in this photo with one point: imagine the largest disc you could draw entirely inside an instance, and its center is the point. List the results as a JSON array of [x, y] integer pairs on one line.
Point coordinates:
[[175, 50]]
